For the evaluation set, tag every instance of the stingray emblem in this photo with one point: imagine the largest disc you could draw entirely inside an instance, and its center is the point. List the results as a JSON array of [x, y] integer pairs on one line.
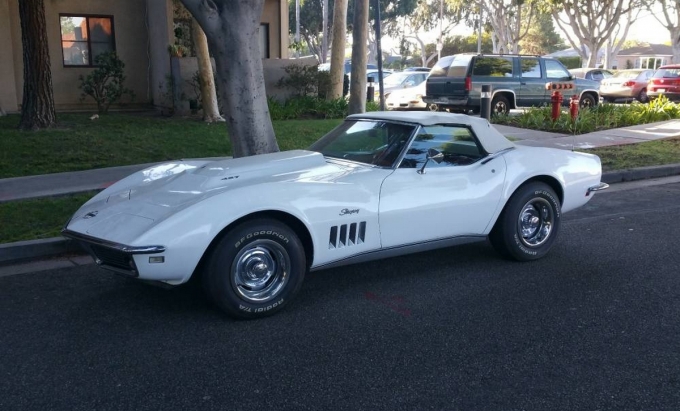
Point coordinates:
[[347, 211], [91, 214]]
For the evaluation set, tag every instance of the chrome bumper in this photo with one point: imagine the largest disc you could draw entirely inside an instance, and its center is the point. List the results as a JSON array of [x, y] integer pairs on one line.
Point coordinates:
[[598, 187]]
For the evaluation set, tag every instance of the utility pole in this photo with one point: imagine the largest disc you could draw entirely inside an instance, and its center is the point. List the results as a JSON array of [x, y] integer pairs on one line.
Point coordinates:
[[380, 64], [440, 43], [479, 29]]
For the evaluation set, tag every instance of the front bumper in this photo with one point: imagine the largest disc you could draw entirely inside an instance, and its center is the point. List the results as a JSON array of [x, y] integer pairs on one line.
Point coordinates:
[[110, 255]]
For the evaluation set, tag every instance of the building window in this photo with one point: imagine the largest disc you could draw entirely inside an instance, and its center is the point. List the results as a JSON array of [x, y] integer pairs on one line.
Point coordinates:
[[85, 37], [264, 40]]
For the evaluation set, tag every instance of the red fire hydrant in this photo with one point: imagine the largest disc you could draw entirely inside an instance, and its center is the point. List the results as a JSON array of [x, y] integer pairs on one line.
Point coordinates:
[[556, 100], [573, 107]]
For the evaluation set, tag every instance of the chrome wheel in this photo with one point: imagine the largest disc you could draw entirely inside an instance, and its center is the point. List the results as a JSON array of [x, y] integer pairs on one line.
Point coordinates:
[[535, 222], [260, 271]]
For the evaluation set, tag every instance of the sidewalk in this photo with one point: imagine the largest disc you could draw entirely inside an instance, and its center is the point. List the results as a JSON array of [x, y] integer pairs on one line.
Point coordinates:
[[20, 188]]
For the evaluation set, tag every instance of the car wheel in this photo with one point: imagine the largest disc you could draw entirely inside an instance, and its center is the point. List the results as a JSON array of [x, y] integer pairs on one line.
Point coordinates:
[[529, 223], [587, 101], [500, 105], [642, 97], [433, 107], [255, 269]]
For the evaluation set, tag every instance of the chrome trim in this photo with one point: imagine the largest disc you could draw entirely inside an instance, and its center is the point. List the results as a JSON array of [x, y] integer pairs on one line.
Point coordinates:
[[400, 250], [599, 187], [128, 249]]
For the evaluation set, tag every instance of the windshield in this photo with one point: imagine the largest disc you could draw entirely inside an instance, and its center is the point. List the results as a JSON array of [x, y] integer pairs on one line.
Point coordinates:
[[628, 74], [377, 143], [396, 79]]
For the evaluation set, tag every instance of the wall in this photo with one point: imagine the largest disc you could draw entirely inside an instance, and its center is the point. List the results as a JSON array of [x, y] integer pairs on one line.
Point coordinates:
[[129, 24], [8, 93]]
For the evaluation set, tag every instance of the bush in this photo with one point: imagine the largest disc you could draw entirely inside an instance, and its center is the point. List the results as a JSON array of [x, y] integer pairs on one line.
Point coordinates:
[[601, 117], [307, 107], [105, 83]]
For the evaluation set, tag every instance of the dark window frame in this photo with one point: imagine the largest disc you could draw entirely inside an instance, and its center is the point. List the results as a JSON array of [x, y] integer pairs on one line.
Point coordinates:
[[265, 52], [89, 42]]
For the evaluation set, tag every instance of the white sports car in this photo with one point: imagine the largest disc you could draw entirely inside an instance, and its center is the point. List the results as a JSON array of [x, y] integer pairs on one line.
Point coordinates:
[[380, 184]]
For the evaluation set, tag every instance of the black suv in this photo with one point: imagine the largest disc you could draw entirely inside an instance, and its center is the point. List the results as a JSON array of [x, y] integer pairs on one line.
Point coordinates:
[[455, 82]]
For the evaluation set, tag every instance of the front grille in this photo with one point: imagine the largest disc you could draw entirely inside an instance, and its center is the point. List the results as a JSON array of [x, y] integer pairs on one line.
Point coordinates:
[[113, 258], [347, 235]]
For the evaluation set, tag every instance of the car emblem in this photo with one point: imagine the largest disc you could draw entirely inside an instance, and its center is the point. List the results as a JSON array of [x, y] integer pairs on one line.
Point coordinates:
[[91, 214], [347, 211]]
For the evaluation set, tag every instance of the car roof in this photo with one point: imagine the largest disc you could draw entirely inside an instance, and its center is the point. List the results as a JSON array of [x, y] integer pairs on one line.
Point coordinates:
[[488, 136], [669, 66]]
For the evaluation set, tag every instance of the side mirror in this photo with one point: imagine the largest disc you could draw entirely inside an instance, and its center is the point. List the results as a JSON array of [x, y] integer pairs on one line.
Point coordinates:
[[432, 154]]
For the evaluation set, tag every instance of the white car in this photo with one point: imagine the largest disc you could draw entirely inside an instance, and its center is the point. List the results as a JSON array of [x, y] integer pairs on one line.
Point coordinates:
[[380, 184], [410, 98]]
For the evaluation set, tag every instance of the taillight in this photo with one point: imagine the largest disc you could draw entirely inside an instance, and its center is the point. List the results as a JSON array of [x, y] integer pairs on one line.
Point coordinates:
[[654, 81], [629, 83], [468, 83]]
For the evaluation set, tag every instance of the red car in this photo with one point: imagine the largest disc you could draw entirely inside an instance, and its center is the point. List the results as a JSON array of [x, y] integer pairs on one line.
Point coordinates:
[[666, 81]]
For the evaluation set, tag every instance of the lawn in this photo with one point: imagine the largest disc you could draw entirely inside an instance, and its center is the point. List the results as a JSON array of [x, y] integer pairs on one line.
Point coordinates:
[[639, 155], [79, 143]]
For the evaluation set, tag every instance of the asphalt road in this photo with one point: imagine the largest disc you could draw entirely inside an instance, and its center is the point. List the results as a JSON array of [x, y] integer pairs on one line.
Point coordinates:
[[593, 326]]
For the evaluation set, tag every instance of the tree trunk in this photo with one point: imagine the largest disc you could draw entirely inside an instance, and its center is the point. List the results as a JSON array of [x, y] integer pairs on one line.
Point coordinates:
[[37, 108], [357, 85], [675, 44], [338, 49], [324, 31], [211, 112], [232, 28]]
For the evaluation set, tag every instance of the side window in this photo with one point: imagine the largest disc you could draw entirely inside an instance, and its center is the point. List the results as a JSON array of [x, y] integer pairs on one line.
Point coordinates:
[[531, 68], [555, 70], [456, 143], [597, 75], [493, 67]]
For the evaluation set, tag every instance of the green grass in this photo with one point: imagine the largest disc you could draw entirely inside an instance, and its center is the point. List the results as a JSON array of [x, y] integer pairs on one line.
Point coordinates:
[[79, 143], [38, 218], [639, 155]]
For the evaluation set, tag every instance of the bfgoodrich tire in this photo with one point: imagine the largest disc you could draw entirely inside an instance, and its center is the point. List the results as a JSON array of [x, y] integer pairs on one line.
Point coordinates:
[[529, 223], [255, 269]]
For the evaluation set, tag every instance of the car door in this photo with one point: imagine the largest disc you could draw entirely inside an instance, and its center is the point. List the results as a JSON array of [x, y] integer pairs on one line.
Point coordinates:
[[456, 197], [532, 82]]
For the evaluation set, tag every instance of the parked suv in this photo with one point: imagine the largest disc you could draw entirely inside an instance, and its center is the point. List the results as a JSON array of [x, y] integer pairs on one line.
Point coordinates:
[[455, 82]]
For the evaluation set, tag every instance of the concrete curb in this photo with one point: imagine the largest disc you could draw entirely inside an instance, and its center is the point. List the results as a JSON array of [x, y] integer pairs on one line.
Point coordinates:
[[19, 251], [641, 173], [25, 250]]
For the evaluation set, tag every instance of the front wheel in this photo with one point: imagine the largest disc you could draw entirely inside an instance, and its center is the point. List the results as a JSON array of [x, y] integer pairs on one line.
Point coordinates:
[[255, 269], [529, 223]]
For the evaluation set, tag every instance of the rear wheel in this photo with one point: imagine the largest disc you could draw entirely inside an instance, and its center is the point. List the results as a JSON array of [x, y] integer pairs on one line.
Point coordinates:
[[500, 105], [587, 101], [255, 269], [642, 96], [529, 223]]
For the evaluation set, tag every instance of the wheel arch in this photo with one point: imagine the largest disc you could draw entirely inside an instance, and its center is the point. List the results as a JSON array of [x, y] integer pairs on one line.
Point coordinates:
[[551, 181], [509, 94], [594, 93], [290, 220]]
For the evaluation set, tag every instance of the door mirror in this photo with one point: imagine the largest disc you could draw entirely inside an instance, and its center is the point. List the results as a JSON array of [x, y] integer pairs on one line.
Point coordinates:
[[432, 154]]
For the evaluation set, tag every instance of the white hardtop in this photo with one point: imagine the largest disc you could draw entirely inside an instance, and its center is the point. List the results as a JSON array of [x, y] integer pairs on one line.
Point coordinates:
[[488, 136]]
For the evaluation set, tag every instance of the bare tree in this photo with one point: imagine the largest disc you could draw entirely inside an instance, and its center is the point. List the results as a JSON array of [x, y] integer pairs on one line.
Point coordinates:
[[670, 9], [357, 85], [211, 112], [232, 28], [510, 20], [618, 37], [37, 108], [592, 23], [338, 49]]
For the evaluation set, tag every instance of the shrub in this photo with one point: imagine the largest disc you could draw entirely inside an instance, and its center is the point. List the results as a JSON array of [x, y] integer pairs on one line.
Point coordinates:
[[307, 107], [105, 83]]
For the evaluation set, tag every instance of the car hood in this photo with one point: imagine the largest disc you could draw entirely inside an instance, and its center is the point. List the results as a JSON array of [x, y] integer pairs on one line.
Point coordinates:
[[147, 201]]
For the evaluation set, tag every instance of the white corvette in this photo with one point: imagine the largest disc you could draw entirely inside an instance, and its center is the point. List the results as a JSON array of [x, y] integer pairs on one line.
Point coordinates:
[[379, 185]]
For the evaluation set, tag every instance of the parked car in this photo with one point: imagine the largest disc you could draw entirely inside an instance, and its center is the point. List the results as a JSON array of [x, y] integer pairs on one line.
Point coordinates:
[[401, 80], [455, 82], [380, 184], [666, 81], [410, 98], [626, 84], [595, 74], [348, 67]]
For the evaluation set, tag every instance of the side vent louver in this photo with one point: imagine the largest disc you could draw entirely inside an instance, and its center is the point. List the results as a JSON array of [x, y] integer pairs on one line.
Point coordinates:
[[347, 235]]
